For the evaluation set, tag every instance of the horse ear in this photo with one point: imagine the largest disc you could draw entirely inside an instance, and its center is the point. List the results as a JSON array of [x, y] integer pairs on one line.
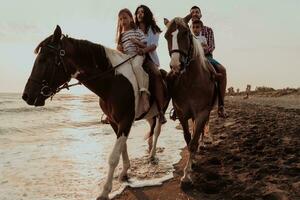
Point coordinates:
[[57, 34], [166, 21], [187, 18]]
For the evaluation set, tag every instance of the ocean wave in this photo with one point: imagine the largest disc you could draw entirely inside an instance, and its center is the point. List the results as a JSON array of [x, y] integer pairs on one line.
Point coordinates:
[[13, 130], [33, 109], [6, 102], [84, 124]]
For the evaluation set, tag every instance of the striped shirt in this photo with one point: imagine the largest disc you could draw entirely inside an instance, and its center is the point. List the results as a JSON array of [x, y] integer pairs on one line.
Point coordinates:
[[128, 46]]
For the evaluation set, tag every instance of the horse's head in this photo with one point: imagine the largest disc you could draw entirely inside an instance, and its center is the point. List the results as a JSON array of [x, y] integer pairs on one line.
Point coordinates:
[[180, 42], [49, 70]]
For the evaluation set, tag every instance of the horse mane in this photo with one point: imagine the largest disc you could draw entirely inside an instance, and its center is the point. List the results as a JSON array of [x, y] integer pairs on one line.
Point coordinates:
[[181, 22], [42, 43], [199, 53], [91, 52]]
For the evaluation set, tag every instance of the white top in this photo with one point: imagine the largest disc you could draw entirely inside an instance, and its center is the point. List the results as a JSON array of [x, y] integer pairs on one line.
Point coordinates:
[[152, 39], [128, 46], [201, 39]]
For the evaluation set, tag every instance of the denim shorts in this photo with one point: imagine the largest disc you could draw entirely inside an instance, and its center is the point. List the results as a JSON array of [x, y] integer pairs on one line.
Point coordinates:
[[212, 61]]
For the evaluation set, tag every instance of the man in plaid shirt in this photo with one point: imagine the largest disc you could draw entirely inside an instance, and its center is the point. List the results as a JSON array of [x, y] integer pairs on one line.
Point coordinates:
[[208, 33]]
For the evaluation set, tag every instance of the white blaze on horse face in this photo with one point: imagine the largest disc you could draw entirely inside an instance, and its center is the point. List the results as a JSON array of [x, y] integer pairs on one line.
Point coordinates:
[[175, 63]]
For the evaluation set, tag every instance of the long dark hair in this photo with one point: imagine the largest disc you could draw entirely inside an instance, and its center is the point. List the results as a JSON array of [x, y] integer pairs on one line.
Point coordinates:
[[148, 19]]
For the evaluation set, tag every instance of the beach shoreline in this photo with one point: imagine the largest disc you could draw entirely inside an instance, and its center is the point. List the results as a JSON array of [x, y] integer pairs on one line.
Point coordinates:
[[257, 165]]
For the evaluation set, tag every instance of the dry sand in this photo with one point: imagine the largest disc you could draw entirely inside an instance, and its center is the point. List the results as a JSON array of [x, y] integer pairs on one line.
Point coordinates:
[[254, 155]]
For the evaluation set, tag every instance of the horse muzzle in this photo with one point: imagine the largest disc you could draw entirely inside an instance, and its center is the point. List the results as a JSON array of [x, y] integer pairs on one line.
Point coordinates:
[[32, 95]]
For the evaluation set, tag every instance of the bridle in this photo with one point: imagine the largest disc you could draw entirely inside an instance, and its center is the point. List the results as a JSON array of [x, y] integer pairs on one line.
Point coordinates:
[[185, 58], [46, 88]]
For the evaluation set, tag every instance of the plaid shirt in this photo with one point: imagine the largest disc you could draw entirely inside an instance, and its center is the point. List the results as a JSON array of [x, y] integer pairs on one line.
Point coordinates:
[[208, 33]]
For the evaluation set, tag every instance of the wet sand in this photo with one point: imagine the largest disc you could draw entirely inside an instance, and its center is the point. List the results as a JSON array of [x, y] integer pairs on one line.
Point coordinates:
[[254, 154]]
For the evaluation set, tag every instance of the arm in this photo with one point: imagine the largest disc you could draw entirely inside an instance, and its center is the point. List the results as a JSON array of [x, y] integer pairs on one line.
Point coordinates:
[[120, 48], [152, 42], [210, 41], [140, 44]]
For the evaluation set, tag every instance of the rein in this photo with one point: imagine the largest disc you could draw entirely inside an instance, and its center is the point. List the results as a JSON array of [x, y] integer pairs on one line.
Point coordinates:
[[100, 75], [186, 57], [47, 91]]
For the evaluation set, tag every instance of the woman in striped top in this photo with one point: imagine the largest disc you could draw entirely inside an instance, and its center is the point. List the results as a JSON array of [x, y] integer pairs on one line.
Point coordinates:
[[129, 40]]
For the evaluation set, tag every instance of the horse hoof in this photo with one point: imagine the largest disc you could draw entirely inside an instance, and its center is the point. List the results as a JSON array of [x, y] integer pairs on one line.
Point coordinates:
[[102, 198], [124, 178], [186, 185], [153, 160]]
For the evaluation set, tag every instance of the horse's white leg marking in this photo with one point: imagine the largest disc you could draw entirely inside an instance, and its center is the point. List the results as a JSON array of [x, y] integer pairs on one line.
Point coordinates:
[[157, 130], [175, 63], [187, 169], [126, 163], [113, 162]]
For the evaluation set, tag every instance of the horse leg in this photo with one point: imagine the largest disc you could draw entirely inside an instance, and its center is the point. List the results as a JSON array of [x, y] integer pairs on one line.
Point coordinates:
[[126, 164], [157, 130], [186, 131], [114, 158], [152, 124], [199, 124], [186, 179], [206, 134]]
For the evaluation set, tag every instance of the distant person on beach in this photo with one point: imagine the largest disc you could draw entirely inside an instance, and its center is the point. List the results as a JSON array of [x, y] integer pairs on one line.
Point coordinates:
[[145, 22], [207, 32]]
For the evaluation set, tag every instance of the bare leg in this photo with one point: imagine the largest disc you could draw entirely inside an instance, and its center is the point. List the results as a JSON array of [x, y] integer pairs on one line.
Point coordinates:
[[159, 88]]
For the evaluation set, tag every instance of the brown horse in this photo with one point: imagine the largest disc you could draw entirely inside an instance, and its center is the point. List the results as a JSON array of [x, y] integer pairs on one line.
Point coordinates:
[[191, 85], [59, 58]]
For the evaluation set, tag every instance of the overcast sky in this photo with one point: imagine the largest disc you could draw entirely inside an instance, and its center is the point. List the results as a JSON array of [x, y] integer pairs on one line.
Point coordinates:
[[258, 41]]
